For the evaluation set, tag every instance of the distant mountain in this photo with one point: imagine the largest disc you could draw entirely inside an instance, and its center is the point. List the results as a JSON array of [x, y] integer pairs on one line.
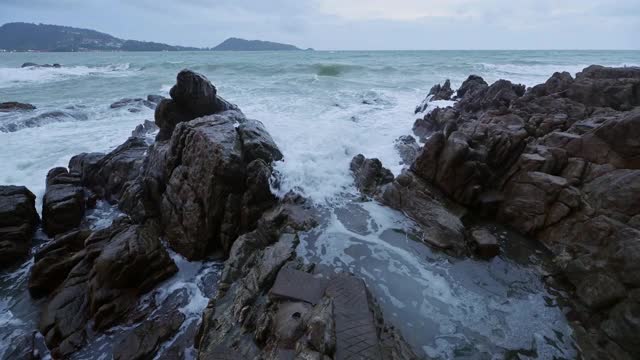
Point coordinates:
[[41, 37], [235, 44]]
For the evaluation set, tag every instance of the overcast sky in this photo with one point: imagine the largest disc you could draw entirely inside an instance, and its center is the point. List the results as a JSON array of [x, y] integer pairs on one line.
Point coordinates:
[[352, 24]]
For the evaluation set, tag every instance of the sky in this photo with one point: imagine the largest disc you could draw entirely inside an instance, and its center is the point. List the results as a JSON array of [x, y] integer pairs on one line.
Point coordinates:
[[352, 24]]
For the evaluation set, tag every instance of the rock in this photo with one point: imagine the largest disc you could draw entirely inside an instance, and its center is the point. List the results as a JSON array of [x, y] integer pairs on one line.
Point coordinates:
[[115, 266], [15, 106], [600, 86], [413, 196], [257, 143], [206, 160], [560, 163], [408, 149], [142, 130], [499, 95], [54, 261], [133, 105], [34, 65], [470, 86], [63, 205], [18, 221], [192, 96], [155, 99], [623, 323], [600, 290], [108, 175], [369, 174], [144, 340], [298, 286], [485, 243], [435, 121], [437, 92]]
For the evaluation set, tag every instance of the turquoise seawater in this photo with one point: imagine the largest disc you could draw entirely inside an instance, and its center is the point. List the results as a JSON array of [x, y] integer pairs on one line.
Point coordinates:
[[322, 108]]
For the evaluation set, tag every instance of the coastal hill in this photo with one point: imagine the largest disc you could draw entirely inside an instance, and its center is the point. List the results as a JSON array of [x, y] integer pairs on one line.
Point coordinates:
[[55, 38], [236, 44], [41, 37]]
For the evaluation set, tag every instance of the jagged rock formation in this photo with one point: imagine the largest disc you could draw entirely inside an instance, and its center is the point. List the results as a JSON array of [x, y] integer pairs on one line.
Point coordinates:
[[18, 220], [202, 184], [558, 162]]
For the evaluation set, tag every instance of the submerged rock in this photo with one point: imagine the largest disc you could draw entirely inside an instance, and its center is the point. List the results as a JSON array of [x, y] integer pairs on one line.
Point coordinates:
[[15, 106], [18, 221], [408, 149], [34, 65]]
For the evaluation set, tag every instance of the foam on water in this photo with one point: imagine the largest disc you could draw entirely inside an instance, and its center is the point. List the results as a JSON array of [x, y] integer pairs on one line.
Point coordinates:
[[10, 77]]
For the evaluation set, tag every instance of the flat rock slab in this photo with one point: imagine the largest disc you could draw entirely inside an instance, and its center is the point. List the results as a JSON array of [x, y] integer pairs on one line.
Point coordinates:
[[222, 352], [298, 285], [356, 335]]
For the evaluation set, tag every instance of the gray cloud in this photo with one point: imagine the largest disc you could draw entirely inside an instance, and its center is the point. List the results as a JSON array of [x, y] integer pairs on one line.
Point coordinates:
[[353, 24]]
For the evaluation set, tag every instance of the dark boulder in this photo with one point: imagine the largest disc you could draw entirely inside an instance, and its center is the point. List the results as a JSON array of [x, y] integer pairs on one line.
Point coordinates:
[[472, 85], [63, 205], [498, 96], [18, 221], [369, 174], [206, 160], [15, 106], [257, 142], [192, 96]]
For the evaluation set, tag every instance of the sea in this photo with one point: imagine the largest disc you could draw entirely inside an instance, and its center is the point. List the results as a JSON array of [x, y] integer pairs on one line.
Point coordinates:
[[322, 108]]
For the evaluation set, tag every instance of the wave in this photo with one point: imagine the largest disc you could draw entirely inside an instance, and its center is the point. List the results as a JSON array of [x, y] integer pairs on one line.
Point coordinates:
[[10, 77]]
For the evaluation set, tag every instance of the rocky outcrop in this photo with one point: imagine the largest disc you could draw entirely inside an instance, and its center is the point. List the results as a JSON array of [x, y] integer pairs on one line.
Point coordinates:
[[558, 162], [102, 278], [15, 106], [64, 204], [18, 221]]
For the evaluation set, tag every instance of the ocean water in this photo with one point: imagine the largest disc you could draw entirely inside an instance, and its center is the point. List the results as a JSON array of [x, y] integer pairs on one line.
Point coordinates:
[[322, 108]]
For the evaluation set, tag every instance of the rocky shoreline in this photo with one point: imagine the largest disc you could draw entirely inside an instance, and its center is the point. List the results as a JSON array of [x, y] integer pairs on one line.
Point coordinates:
[[558, 162]]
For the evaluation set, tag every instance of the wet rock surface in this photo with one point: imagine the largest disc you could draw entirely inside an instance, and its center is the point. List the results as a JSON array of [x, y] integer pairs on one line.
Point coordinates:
[[18, 221], [557, 162], [63, 206], [103, 278]]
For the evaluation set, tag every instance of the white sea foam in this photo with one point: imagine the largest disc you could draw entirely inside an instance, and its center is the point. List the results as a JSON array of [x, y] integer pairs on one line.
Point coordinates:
[[10, 77]]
